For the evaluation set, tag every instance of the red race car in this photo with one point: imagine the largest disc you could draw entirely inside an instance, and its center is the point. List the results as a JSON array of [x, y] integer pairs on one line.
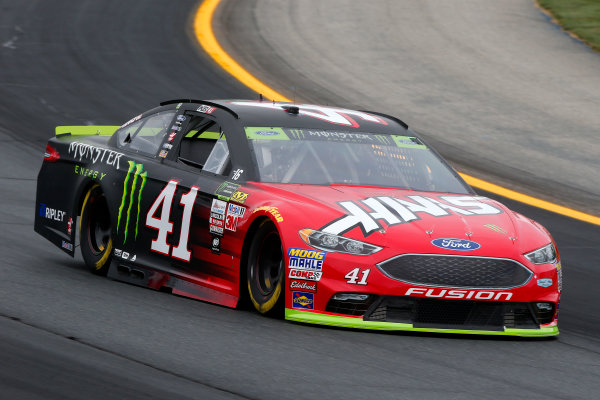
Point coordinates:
[[321, 214]]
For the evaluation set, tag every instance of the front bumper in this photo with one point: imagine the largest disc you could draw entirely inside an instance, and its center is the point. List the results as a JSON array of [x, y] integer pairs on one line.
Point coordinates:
[[312, 317]]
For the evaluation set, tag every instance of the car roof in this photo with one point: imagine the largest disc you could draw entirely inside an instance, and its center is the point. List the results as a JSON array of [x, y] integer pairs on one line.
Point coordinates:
[[294, 115]]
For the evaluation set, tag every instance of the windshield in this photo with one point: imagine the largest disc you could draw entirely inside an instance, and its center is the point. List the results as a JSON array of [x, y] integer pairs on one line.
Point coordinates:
[[323, 157]]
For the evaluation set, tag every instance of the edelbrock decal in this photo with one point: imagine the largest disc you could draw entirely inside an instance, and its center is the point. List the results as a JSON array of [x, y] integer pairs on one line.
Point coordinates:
[[368, 213], [456, 244], [303, 285]]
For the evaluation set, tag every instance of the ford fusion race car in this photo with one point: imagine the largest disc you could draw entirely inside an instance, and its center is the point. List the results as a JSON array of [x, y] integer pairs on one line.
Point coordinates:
[[324, 215]]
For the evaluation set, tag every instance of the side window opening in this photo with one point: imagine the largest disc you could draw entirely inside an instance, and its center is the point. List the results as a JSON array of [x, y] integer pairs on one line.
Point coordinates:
[[204, 146], [218, 159], [145, 136]]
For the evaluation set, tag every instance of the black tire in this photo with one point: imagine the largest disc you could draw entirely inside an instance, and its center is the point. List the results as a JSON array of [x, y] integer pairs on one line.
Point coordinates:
[[95, 232], [265, 273]]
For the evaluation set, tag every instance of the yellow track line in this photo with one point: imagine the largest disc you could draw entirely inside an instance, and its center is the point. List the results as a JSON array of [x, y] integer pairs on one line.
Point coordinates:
[[532, 201], [208, 41]]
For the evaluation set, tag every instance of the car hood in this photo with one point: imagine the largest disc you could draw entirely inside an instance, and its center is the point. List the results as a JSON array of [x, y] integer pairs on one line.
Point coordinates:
[[413, 222]]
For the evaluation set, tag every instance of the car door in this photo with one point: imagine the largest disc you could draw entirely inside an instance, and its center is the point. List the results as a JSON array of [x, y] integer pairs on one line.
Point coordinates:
[[140, 178], [185, 219]]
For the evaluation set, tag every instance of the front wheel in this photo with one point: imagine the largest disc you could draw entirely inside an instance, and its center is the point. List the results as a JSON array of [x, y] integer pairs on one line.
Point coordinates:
[[266, 270], [95, 232]]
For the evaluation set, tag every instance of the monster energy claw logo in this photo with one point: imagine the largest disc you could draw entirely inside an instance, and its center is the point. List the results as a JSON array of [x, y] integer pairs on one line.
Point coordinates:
[[297, 133], [136, 171]]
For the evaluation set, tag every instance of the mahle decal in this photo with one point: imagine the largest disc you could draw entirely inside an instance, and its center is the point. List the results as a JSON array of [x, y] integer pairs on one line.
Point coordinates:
[[135, 170]]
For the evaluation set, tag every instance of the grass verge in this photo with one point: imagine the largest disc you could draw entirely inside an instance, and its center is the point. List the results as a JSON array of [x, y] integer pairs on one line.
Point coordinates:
[[578, 17]]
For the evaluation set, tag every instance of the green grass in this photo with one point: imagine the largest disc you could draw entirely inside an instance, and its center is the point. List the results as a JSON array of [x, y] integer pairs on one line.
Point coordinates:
[[581, 17]]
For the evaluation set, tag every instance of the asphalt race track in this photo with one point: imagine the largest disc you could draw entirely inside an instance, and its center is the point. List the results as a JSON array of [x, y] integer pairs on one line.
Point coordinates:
[[498, 89], [67, 334]]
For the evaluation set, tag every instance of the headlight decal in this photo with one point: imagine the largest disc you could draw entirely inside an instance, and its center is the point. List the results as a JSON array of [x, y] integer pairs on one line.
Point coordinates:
[[336, 244], [543, 255]]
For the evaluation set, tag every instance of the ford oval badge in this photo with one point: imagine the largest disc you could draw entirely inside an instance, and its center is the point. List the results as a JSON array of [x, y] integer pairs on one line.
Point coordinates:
[[456, 244], [267, 133]]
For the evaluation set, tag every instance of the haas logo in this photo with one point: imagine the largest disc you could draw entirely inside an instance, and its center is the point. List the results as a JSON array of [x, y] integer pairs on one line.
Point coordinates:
[[339, 116]]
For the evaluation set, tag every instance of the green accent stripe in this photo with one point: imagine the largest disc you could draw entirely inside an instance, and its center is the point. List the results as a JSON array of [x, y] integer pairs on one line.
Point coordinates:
[[131, 166], [350, 322], [204, 135], [87, 130], [138, 169], [137, 221]]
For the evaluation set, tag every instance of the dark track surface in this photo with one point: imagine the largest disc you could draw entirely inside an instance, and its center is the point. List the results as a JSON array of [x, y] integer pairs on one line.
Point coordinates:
[[65, 333]]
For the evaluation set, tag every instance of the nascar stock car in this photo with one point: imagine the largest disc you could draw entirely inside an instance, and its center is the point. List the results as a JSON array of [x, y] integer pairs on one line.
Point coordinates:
[[321, 214]]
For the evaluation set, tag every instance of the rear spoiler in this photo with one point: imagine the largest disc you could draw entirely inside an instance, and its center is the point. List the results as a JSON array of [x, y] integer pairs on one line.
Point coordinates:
[[86, 130]]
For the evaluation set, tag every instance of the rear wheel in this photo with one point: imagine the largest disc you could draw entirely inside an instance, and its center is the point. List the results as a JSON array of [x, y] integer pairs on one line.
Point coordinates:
[[95, 232], [265, 272]]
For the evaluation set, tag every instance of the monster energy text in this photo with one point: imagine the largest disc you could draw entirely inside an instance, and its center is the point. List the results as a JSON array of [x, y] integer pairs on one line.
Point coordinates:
[[135, 170]]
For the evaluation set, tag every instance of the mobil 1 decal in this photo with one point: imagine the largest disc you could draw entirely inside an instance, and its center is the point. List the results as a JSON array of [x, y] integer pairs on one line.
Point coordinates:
[[369, 213], [234, 214]]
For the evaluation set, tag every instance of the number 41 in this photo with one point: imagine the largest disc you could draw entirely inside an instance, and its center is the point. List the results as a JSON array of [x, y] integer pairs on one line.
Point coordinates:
[[164, 225], [352, 276]]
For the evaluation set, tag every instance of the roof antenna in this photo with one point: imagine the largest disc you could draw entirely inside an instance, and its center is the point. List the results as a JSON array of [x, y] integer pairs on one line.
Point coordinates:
[[260, 97]]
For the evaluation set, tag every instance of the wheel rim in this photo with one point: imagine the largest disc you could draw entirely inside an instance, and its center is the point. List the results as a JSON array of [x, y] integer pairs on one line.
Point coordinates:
[[99, 225], [269, 264]]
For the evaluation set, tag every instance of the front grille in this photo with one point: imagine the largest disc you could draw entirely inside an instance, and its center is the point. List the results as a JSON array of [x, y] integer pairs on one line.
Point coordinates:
[[453, 314], [456, 271]]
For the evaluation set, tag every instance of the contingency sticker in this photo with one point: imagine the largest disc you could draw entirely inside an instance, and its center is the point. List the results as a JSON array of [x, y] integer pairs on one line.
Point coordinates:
[[216, 245], [303, 300], [225, 190], [306, 259], [303, 285], [239, 197], [216, 221], [234, 214]]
